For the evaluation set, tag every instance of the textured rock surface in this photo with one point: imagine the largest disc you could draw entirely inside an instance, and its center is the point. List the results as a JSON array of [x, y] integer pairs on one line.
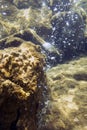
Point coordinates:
[[21, 74], [63, 24], [27, 3], [13, 19], [67, 103], [60, 23]]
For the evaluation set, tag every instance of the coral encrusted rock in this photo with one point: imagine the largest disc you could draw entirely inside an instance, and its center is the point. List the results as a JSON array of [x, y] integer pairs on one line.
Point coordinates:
[[21, 74]]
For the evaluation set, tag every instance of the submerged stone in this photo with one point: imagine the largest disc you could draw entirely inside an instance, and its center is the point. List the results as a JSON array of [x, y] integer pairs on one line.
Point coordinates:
[[66, 107], [68, 34], [21, 74], [30, 29]]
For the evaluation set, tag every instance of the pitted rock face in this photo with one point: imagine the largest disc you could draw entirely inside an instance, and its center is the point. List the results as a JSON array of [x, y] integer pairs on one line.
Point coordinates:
[[21, 72]]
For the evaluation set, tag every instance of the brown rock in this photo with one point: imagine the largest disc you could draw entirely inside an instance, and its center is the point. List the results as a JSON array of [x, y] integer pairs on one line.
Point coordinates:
[[21, 73], [67, 102]]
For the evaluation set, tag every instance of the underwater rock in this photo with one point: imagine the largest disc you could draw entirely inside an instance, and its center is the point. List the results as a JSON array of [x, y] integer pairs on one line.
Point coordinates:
[[8, 10], [66, 107], [27, 3], [68, 33], [52, 54], [8, 14], [21, 3], [21, 74], [65, 29], [37, 19], [6, 30]]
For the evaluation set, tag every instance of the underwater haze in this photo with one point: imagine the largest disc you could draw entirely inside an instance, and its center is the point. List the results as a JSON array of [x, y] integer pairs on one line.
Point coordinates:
[[43, 69]]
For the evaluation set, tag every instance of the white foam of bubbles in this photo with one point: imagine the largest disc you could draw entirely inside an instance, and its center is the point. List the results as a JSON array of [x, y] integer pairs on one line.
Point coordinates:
[[43, 4], [47, 45], [64, 41], [67, 23], [69, 44], [55, 9], [4, 13], [54, 28]]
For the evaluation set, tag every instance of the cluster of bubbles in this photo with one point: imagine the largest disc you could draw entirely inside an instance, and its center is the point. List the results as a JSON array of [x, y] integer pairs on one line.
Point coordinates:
[[68, 31], [5, 8], [61, 5], [67, 36]]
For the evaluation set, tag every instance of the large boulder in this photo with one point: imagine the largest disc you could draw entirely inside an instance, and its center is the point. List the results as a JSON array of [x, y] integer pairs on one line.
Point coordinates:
[[68, 33], [66, 107], [21, 79]]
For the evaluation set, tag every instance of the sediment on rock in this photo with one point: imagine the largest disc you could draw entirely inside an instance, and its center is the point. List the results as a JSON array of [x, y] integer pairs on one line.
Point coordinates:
[[67, 104]]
